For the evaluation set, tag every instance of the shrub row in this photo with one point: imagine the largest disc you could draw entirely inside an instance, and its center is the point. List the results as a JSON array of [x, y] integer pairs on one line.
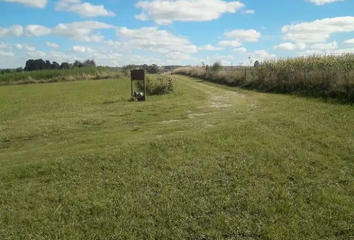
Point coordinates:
[[58, 75], [160, 85], [329, 77]]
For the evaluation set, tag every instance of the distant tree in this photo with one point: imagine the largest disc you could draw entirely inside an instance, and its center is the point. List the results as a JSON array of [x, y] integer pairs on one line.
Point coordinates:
[[48, 65], [216, 67], [153, 68], [65, 65], [30, 65], [256, 63], [55, 65], [20, 69], [89, 63], [40, 64], [77, 64], [4, 71]]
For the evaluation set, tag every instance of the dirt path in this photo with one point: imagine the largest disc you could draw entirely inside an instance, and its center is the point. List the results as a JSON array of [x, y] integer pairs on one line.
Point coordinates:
[[218, 98]]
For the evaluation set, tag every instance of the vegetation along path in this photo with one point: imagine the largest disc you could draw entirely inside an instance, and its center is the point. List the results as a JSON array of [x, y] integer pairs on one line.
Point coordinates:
[[79, 161]]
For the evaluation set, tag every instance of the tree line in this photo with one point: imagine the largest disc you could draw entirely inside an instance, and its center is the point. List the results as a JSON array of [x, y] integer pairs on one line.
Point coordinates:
[[149, 68], [40, 64]]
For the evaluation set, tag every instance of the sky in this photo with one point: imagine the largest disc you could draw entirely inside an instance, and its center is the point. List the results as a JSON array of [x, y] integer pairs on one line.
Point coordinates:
[[172, 32]]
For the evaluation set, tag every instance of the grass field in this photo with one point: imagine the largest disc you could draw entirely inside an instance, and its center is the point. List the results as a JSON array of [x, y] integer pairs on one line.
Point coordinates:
[[79, 161]]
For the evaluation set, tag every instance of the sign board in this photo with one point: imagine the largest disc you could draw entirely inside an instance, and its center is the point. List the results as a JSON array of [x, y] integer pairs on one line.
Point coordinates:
[[138, 75]]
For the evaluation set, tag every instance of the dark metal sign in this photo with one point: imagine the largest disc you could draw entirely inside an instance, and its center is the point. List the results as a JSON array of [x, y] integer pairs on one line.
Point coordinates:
[[138, 75]]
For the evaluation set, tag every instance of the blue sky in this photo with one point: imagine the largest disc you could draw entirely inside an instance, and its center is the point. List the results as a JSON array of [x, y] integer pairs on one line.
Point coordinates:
[[119, 32]]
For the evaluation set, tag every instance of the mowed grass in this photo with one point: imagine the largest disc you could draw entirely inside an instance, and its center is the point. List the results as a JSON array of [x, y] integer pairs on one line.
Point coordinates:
[[79, 161]]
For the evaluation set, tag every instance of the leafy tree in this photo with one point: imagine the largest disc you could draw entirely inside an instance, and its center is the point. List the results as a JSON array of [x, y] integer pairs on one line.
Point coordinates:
[[20, 69], [48, 65], [256, 63], [38, 64], [55, 65], [152, 69], [216, 67], [77, 64], [89, 63], [30, 65], [65, 65]]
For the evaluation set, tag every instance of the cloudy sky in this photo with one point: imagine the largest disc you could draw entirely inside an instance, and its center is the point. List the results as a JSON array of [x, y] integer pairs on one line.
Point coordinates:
[[119, 32]]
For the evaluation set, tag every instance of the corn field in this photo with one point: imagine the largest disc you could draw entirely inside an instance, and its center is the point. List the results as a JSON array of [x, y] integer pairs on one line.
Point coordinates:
[[44, 76], [329, 77]]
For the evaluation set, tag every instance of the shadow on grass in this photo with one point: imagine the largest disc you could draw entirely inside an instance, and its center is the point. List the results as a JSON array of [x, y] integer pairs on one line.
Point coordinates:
[[112, 101]]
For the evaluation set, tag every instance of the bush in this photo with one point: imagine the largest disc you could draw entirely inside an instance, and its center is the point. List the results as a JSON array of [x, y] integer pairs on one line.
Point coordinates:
[[159, 86], [328, 77], [216, 67]]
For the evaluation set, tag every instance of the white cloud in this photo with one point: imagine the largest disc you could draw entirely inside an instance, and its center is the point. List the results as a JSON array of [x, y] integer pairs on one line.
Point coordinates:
[[249, 11], [31, 49], [78, 49], [210, 47], [290, 46], [226, 43], [177, 56], [81, 31], [322, 2], [241, 50], [301, 46], [36, 54], [249, 35], [223, 59], [142, 17], [31, 3], [37, 30], [167, 11], [19, 46], [83, 49], [62, 57], [15, 30], [325, 46], [319, 30], [6, 54], [84, 9], [349, 42], [52, 45], [262, 55], [310, 52], [340, 51], [3, 45], [114, 44], [152, 39]]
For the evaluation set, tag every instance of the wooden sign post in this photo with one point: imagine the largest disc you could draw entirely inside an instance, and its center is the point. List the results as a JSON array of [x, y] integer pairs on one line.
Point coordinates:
[[138, 75]]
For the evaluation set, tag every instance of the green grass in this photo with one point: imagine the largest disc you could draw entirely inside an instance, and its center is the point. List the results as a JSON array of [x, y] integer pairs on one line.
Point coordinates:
[[57, 75], [79, 161]]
